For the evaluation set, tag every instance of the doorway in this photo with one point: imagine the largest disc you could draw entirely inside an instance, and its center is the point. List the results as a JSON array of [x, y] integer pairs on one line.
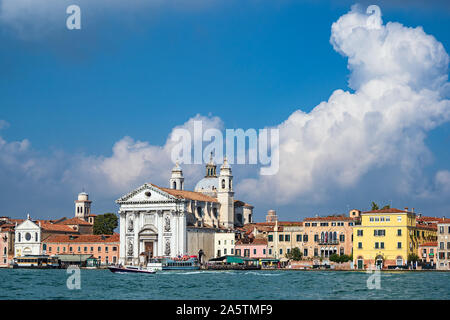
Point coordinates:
[[149, 248]]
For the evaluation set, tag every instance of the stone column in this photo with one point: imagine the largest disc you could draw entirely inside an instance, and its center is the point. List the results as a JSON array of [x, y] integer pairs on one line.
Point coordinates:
[[160, 226], [136, 228], [123, 239]]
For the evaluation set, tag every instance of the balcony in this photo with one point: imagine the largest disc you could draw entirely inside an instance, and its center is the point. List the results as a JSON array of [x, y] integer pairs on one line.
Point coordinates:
[[328, 242]]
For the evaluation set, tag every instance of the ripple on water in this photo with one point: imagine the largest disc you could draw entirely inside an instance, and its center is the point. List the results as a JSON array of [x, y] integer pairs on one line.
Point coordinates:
[[102, 284]]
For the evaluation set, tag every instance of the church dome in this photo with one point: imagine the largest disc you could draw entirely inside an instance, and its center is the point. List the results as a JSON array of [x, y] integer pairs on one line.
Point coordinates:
[[209, 184]]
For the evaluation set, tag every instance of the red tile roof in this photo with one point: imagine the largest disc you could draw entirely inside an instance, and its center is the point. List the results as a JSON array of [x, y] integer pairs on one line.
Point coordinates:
[[75, 221], [56, 227], [189, 195], [84, 238], [431, 226], [428, 244], [390, 210], [330, 218]]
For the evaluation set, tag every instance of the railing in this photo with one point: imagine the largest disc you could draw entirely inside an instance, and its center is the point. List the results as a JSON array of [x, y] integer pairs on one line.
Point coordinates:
[[328, 242]]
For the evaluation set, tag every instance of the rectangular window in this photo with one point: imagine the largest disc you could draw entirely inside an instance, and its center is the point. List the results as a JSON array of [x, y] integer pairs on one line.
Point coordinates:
[[281, 251], [371, 219], [280, 237], [270, 251], [342, 237], [270, 238], [359, 232], [399, 218], [376, 245], [288, 250], [399, 232], [70, 249], [106, 249], [225, 251], [388, 219], [381, 245], [232, 251], [377, 219], [441, 245], [99, 249], [287, 237], [264, 251], [238, 252], [399, 245], [305, 252], [316, 237], [254, 251], [92, 249], [49, 249], [224, 242], [305, 238], [359, 245], [299, 238]]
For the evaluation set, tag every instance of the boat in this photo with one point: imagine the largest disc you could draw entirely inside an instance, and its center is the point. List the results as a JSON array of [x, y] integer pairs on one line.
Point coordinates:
[[177, 263], [131, 269], [36, 262]]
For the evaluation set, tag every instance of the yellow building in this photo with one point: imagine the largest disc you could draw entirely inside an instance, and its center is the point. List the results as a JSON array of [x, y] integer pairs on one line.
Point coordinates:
[[387, 237]]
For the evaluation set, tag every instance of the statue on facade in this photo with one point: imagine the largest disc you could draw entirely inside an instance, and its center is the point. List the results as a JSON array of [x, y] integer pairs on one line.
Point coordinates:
[[167, 250], [130, 225], [167, 224], [130, 247]]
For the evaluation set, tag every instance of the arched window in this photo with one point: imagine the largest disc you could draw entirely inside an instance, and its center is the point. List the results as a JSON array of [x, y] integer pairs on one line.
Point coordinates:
[[44, 247], [322, 237], [174, 185], [20, 236], [223, 183], [334, 236]]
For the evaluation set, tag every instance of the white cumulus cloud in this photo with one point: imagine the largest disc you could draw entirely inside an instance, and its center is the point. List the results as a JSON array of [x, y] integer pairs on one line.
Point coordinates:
[[399, 76]]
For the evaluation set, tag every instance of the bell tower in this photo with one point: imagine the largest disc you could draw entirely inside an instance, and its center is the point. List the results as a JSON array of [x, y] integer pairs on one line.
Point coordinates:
[[177, 180], [225, 195], [83, 206]]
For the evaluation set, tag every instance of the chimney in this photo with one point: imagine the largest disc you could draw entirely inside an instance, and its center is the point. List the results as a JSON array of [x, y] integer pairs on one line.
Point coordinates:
[[412, 210], [406, 209]]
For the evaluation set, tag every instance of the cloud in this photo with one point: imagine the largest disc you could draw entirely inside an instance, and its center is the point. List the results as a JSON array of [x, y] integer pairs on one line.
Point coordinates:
[[399, 76], [133, 163]]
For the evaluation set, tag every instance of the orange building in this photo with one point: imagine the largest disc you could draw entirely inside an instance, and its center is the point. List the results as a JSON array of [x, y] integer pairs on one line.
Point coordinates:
[[324, 236], [103, 247]]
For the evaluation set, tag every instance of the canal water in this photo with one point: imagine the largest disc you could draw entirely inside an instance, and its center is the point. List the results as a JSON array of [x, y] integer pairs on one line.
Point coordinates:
[[102, 284]]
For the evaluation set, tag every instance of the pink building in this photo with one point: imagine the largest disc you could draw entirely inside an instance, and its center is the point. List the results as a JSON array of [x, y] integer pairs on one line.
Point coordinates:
[[6, 244], [255, 248], [103, 247]]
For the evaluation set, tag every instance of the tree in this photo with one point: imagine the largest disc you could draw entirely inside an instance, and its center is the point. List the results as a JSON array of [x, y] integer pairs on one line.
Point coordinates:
[[105, 223], [340, 258], [295, 254], [386, 207], [412, 257], [375, 206]]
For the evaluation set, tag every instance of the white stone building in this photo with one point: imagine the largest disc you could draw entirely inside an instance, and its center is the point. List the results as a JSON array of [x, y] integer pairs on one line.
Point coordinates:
[[27, 238], [172, 221]]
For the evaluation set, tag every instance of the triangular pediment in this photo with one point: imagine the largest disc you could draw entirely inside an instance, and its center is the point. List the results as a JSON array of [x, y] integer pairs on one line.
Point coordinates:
[[27, 224], [146, 193]]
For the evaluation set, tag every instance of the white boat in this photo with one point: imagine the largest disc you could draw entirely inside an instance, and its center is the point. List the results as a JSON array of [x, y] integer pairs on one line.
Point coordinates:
[[131, 269]]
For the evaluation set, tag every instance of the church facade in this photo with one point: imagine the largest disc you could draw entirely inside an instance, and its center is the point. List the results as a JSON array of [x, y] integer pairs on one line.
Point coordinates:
[[159, 221]]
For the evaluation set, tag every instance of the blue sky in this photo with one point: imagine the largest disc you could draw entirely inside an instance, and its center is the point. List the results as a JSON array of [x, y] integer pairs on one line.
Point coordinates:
[[142, 71]]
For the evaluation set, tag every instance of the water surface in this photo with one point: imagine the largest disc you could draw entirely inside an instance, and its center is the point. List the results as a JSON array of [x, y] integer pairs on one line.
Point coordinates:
[[102, 284]]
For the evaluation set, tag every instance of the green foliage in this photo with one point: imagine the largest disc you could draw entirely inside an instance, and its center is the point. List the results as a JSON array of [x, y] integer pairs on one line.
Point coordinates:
[[386, 207], [412, 257], [375, 206], [295, 254], [105, 223], [340, 258]]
